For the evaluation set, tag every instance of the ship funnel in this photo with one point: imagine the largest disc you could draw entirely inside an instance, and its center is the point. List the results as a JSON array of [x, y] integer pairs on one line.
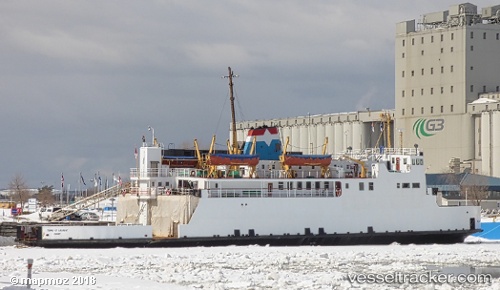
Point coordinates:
[[267, 143]]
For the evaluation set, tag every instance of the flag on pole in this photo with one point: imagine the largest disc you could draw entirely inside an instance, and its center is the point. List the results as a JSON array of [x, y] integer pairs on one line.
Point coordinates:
[[373, 127], [83, 180], [95, 180], [120, 180], [381, 127], [100, 181], [62, 180], [135, 153]]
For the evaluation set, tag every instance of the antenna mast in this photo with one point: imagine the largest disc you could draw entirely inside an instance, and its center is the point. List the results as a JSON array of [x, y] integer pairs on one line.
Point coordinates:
[[233, 115]]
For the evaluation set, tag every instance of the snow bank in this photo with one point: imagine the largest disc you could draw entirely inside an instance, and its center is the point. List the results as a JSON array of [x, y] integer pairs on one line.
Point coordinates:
[[250, 267], [7, 241]]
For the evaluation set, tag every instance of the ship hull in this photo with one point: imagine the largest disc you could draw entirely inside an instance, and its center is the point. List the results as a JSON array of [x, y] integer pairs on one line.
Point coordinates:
[[424, 237]]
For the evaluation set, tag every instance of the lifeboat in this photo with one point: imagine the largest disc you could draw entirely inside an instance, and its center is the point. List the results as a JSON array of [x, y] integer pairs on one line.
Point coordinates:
[[233, 159], [307, 160], [179, 161]]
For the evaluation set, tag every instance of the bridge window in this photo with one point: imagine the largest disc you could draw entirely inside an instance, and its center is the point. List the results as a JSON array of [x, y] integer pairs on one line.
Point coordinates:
[[318, 185], [347, 185], [280, 185], [361, 186], [308, 185], [299, 185], [415, 185], [406, 185], [327, 185], [289, 185], [370, 185]]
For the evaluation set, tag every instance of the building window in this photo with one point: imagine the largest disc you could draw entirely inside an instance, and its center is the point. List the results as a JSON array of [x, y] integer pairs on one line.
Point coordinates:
[[471, 68], [451, 49], [422, 110], [472, 48], [484, 35], [451, 108], [442, 50], [403, 42], [412, 93], [403, 93], [422, 40], [442, 37], [432, 91], [403, 112], [452, 36], [432, 37], [442, 90], [498, 36], [471, 88], [451, 89], [472, 34], [403, 74], [484, 89], [413, 41], [403, 55], [451, 68], [432, 70], [442, 109], [497, 88], [412, 111], [422, 71], [422, 52], [421, 92], [442, 69], [432, 110], [412, 73]]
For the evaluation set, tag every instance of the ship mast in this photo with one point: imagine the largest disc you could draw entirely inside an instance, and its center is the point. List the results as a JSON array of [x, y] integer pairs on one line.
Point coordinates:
[[233, 115]]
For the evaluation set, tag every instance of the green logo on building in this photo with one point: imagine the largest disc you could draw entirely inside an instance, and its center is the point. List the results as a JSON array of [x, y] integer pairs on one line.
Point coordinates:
[[428, 128]]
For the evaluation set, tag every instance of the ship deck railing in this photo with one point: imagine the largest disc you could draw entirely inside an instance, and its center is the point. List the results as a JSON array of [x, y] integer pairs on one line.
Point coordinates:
[[376, 153], [275, 193]]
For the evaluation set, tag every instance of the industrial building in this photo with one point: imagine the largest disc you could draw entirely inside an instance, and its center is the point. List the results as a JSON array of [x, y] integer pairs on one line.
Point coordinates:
[[447, 97]]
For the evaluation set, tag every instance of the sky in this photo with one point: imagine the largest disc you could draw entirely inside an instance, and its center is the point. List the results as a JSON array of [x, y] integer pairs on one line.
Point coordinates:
[[81, 81]]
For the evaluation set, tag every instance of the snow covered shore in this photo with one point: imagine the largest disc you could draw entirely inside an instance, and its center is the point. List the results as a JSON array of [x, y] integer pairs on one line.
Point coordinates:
[[250, 267]]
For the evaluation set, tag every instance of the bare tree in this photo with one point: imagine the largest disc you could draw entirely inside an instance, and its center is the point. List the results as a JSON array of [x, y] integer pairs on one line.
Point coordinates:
[[46, 196], [19, 189], [476, 191]]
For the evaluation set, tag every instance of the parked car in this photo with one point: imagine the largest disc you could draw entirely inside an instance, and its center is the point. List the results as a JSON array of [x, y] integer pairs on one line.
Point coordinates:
[[74, 217], [46, 212], [89, 216]]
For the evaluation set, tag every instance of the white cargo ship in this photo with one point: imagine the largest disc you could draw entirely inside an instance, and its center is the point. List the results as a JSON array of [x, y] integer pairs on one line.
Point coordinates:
[[375, 196]]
